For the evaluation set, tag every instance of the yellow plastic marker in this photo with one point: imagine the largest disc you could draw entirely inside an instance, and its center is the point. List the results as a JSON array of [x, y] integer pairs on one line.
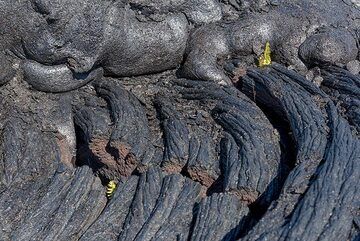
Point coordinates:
[[265, 58], [110, 188]]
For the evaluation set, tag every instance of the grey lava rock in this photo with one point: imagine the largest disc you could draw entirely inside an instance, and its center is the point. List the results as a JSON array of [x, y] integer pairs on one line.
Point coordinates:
[[165, 99], [353, 66], [329, 47]]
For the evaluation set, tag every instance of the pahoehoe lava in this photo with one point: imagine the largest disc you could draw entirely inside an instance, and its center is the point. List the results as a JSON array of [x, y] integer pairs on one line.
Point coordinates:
[[166, 99]]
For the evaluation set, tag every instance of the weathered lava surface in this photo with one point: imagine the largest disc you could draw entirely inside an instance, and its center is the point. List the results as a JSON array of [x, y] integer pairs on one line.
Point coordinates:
[[165, 98]]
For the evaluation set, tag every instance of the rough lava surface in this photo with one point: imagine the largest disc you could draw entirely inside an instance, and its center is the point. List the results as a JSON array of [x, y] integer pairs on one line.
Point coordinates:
[[165, 98]]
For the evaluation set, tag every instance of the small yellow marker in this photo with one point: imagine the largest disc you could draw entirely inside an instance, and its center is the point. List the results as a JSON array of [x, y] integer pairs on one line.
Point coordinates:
[[110, 189], [265, 58]]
